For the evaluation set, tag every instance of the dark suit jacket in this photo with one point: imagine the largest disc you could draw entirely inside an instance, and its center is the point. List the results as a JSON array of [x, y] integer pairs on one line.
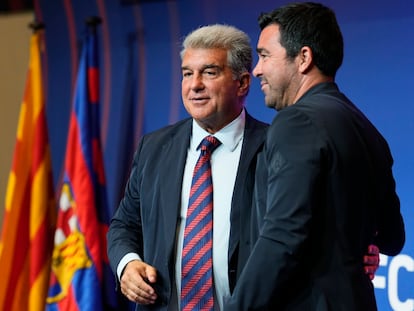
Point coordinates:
[[324, 192], [146, 220]]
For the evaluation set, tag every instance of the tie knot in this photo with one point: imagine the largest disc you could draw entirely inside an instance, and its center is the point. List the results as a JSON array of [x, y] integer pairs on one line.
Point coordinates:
[[209, 144]]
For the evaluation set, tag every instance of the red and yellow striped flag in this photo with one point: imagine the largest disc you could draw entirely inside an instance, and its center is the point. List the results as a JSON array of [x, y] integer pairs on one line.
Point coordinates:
[[28, 227]]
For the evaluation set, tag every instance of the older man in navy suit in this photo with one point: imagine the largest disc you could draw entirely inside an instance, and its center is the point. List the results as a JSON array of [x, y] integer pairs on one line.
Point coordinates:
[[146, 233]]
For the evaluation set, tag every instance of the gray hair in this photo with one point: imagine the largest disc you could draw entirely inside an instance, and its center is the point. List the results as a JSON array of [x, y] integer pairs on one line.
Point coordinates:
[[218, 36]]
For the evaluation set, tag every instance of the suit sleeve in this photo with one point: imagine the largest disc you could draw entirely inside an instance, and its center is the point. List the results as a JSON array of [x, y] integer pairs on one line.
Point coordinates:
[[391, 233], [125, 229], [293, 151]]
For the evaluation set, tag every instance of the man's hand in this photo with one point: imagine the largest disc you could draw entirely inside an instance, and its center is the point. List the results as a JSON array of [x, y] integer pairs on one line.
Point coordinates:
[[371, 261], [136, 281]]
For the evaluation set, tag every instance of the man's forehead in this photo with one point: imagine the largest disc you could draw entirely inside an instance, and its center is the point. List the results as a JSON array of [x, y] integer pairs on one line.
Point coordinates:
[[204, 58]]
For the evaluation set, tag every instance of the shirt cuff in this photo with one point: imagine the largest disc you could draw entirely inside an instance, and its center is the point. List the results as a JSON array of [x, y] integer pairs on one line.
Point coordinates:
[[124, 261]]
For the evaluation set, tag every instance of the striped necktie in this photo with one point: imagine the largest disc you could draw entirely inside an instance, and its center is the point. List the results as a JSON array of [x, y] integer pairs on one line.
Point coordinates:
[[197, 257]]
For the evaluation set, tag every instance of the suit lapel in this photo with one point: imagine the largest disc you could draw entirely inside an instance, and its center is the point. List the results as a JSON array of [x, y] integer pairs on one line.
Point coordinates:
[[174, 156], [242, 194]]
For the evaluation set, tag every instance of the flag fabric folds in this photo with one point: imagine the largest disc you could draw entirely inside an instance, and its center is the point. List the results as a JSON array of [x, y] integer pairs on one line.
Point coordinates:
[[80, 270], [29, 219]]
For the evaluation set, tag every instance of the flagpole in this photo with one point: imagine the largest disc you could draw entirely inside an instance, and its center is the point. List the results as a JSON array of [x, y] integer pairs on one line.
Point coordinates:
[[36, 25], [93, 21]]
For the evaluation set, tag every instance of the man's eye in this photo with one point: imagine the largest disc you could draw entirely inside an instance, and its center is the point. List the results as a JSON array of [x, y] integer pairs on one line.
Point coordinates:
[[186, 74], [262, 56], [210, 72]]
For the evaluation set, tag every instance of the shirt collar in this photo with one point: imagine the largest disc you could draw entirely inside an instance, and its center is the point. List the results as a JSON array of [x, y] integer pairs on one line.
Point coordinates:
[[230, 135]]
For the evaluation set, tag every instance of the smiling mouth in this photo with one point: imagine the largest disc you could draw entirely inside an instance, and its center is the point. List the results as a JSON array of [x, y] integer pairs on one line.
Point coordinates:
[[263, 84], [197, 100]]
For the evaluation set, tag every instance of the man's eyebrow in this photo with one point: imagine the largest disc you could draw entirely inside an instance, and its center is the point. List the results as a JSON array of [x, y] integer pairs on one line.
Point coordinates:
[[212, 66], [204, 67], [260, 50]]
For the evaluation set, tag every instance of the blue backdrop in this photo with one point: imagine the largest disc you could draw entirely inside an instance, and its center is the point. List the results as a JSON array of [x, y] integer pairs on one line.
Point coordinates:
[[140, 85]]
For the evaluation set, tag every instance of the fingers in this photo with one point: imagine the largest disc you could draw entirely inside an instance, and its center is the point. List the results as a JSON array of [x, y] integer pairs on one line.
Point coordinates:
[[137, 280], [373, 249], [372, 257], [370, 270], [151, 274], [371, 261], [138, 295]]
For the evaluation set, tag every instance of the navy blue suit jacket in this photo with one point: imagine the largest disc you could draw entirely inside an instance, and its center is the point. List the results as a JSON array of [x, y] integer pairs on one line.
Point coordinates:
[[146, 220]]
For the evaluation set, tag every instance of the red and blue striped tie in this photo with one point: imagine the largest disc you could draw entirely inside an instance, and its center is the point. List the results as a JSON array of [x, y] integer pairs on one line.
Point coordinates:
[[197, 257]]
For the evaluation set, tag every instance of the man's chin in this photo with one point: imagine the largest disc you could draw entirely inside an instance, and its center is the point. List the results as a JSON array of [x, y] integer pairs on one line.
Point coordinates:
[[269, 103]]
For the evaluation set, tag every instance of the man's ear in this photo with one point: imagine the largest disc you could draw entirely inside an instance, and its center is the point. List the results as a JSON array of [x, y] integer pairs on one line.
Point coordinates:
[[305, 59], [244, 84]]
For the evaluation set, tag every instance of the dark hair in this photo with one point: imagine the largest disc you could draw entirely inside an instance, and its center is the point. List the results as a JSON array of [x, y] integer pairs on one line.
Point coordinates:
[[309, 24]]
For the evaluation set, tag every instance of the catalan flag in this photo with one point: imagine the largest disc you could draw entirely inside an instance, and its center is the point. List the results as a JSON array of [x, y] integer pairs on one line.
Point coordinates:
[[27, 232], [79, 279]]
